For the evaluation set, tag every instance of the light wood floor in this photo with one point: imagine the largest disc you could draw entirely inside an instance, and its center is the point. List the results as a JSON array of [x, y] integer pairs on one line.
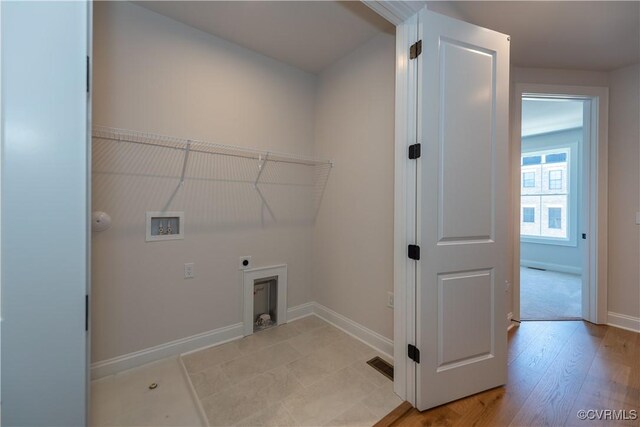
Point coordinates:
[[555, 370]]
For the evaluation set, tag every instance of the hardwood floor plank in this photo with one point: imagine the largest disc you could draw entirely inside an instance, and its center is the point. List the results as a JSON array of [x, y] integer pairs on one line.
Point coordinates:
[[550, 402], [522, 336], [557, 368], [499, 406], [544, 349]]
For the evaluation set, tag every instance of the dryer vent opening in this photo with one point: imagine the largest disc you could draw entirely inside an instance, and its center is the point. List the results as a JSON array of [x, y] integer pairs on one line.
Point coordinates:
[[265, 303]]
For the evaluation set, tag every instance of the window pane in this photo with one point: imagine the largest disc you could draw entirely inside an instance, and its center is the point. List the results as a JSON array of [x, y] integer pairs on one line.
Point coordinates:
[[555, 180], [529, 179], [555, 218], [556, 158], [528, 215], [532, 160], [545, 194]]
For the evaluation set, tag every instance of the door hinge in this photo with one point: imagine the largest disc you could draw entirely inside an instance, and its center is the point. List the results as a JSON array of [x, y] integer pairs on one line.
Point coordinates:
[[88, 73], [414, 252], [415, 50], [86, 312], [413, 353], [414, 151]]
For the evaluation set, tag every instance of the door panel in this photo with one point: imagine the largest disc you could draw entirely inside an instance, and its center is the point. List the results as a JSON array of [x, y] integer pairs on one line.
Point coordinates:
[[44, 213], [462, 210]]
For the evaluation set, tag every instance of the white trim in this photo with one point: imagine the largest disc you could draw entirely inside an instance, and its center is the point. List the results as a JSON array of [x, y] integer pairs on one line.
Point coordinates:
[[299, 311], [595, 262], [233, 332], [623, 321], [249, 277], [373, 339], [551, 267], [172, 348], [396, 12], [184, 345], [404, 210]]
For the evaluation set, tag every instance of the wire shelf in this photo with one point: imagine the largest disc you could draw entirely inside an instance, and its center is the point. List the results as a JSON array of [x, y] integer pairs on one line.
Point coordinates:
[[196, 146]]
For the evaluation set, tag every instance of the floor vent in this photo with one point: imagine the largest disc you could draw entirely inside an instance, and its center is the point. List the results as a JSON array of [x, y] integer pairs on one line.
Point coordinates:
[[382, 366]]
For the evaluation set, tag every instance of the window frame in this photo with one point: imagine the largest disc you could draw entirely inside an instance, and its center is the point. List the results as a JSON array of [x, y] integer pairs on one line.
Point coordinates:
[[574, 164]]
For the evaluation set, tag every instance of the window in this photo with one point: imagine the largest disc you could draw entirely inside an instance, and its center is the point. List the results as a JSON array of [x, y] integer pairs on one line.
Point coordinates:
[[556, 158], [528, 179], [555, 179], [528, 215], [531, 160], [555, 218], [545, 194]]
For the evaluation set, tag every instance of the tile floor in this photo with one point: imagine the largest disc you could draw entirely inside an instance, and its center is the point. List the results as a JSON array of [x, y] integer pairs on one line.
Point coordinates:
[[304, 373], [125, 399], [549, 295]]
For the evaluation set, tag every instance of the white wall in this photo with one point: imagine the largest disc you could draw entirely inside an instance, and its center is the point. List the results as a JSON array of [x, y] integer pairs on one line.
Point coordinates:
[[624, 191], [353, 239], [157, 75]]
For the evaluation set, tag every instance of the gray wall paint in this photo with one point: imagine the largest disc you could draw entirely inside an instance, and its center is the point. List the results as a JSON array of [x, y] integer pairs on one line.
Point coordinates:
[[624, 191], [555, 256], [44, 213], [154, 74], [353, 240]]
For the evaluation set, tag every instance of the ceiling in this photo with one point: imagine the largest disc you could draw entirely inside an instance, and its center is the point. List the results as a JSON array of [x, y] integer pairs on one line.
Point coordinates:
[[549, 115], [585, 35], [309, 35]]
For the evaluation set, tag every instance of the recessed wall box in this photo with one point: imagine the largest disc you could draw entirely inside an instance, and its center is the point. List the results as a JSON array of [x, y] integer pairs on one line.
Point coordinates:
[[165, 226]]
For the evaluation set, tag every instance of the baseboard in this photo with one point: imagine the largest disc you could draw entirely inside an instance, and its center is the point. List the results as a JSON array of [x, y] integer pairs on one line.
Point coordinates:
[[299, 311], [183, 345], [623, 321], [373, 339], [551, 267], [172, 348]]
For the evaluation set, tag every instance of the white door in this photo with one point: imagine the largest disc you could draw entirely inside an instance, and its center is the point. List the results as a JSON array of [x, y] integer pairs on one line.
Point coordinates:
[[45, 156], [462, 209]]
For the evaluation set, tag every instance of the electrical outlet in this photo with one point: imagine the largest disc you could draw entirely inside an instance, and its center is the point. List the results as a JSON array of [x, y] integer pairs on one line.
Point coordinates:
[[390, 299], [245, 262], [189, 270]]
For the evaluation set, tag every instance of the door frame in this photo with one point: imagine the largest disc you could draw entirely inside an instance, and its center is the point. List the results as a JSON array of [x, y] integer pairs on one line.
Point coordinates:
[[595, 259], [405, 193]]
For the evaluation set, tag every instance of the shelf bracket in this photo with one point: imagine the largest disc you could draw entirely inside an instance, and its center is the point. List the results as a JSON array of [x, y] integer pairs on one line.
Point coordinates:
[[261, 162], [184, 163]]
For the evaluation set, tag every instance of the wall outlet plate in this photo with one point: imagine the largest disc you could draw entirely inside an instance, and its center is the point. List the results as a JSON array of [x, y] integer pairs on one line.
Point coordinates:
[[189, 270], [244, 263], [390, 299]]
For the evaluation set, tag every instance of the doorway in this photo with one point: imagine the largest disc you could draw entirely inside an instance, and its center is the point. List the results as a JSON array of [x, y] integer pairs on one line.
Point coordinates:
[[560, 202], [552, 178]]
